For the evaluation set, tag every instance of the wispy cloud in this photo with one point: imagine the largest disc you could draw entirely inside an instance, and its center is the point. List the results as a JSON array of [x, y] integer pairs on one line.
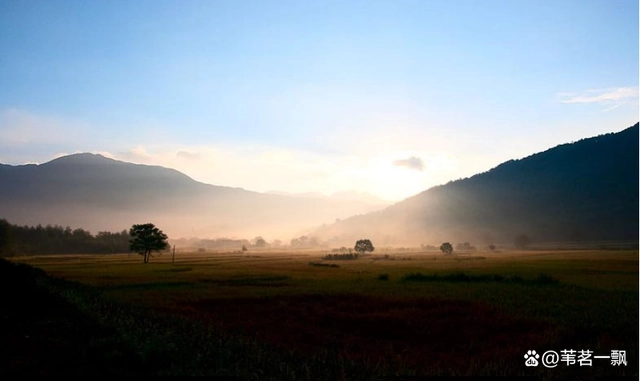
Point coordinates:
[[412, 162], [611, 97], [188, 155], [611, 108], [136, 154]]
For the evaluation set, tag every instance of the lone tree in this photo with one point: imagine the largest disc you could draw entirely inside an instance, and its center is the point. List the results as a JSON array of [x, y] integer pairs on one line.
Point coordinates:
[[259, 242], [145, 239], [363, 245], [446, 248]]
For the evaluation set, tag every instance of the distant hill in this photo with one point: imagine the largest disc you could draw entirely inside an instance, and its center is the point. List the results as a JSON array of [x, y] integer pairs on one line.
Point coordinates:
[[583, 191], [97, 193]]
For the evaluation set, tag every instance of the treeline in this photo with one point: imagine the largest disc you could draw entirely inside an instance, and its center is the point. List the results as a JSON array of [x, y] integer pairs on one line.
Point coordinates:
[[213, 244], [336, 257], [31, 240]]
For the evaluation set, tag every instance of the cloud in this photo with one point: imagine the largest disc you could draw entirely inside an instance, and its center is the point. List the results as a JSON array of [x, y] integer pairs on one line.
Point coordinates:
[[412, 162], [612, 97], [611, 108], [188, 155], [138, 154], [104, 153]]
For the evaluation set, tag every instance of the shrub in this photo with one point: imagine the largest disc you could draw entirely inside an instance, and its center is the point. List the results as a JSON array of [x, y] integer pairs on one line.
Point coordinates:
[[336, 257], [317, 264]]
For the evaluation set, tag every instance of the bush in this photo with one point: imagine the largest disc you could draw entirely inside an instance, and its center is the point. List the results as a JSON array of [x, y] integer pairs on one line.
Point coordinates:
[[546, 279], [316, 264], [336, 257]]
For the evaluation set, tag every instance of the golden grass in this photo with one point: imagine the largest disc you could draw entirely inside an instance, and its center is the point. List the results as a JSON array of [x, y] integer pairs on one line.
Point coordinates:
[[278, 298], [613, 269]]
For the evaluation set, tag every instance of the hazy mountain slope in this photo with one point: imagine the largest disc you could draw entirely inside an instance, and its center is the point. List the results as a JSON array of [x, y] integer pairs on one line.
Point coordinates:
[[587, 190], [97, 193]]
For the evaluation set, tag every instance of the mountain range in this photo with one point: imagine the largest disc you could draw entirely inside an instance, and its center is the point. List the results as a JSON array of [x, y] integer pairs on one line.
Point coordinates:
[[101, 194], [581, 191], [576, 192]]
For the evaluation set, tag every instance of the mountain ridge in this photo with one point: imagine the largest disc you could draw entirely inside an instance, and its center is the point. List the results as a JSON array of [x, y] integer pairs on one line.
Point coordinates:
[[100, 193], [574, 191]]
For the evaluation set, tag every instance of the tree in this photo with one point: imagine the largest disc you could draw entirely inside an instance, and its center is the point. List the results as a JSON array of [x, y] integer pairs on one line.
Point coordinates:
[[363, 245], [465, 247], [145, 239], [6, 238], [522, 241], [446, 248], [259, 242], [300, 241]]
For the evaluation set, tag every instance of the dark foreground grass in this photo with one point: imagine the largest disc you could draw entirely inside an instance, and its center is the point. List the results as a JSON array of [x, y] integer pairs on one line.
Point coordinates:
[[43, 334], [456, 324], [541, 279], [53, 327]]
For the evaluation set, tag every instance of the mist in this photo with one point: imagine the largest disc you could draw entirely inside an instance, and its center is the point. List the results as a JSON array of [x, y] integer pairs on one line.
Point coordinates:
[[101, 194], [562, 194]]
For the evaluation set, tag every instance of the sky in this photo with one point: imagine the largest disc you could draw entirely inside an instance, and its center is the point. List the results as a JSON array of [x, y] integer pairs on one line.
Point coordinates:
[[384, 97]]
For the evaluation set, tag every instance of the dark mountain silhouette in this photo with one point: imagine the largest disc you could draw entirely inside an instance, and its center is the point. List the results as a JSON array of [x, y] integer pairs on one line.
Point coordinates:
[[98, 193], [583, 191]]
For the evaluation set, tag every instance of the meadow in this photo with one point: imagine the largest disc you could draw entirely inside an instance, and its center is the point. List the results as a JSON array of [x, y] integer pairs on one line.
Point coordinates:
[[294, 315]]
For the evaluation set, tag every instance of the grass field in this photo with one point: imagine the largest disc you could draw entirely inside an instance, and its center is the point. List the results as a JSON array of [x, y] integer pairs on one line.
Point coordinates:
[[285, 315]]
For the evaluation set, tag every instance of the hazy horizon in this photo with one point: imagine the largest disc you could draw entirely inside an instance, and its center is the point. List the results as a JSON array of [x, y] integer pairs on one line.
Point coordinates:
[[98, 193], [346, 194], [387, 98]]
